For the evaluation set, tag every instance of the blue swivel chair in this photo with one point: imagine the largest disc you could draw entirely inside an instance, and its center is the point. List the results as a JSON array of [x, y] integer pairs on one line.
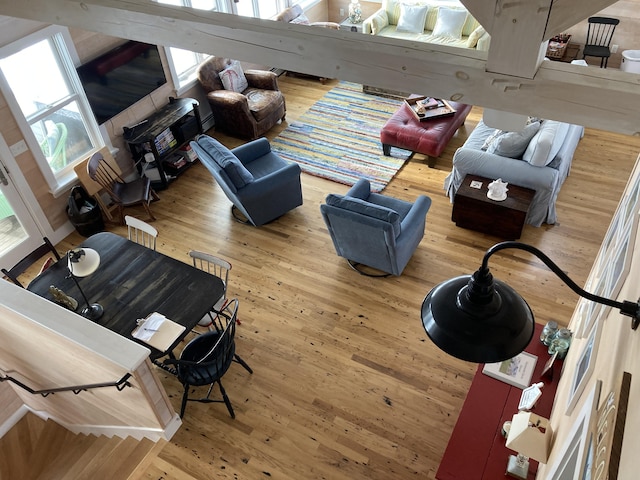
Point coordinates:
[[373, 230], [261, 185]]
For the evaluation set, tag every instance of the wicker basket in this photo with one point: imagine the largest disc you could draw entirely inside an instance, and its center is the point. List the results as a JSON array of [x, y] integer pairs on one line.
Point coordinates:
[[558, 46]]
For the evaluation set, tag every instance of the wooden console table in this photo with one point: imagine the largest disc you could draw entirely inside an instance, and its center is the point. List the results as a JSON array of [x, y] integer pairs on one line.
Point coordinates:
[[474, 210], [476, 449]]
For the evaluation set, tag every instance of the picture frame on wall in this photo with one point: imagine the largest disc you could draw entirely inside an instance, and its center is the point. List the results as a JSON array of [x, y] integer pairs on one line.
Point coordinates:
[[516, 371], [584, 367], [614, 259], [576, 460]]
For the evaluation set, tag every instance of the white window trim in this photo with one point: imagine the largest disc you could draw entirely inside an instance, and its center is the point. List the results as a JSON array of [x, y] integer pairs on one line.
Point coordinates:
[[58, 184]]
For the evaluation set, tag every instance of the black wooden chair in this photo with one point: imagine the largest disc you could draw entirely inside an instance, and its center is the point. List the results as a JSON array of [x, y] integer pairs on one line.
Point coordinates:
[[599, 34], [123, 194], [20, 267], [206, 358]]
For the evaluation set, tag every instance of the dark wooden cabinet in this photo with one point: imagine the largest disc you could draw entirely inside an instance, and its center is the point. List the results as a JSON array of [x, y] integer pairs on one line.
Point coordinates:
[[158, 144], [474, 210]]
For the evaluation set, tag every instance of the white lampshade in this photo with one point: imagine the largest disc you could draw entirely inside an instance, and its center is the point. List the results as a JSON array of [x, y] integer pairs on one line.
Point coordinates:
[[530, 435], [87, 261]]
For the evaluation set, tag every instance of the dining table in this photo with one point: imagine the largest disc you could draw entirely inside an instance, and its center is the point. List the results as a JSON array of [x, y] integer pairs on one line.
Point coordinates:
[[131, 283]]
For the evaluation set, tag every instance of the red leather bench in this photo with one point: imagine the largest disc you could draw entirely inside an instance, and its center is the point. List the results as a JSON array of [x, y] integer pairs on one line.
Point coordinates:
[[404, 130]]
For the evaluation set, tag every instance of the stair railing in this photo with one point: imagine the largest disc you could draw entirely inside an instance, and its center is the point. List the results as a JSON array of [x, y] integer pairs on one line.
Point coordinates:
[[76, 389]]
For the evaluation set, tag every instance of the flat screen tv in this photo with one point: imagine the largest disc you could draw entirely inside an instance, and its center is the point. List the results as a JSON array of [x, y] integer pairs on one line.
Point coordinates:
[[119, 78]]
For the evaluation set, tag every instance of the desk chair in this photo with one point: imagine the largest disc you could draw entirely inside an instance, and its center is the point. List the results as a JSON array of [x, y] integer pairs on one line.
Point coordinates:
[[599, 34], [220, 268], [206, 358], [123, 194], [141, 232], [20, 267]]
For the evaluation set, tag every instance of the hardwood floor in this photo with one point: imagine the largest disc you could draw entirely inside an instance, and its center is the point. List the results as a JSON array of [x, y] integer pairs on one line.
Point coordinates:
[[347, 385]]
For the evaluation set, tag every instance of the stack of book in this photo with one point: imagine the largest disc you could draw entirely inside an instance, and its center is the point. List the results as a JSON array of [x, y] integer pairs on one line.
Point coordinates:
[[425, 108], [165, 141], [175, 161]]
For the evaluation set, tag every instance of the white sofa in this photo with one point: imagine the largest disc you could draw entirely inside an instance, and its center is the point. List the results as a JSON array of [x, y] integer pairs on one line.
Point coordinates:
[[541, 163], [446, 22]]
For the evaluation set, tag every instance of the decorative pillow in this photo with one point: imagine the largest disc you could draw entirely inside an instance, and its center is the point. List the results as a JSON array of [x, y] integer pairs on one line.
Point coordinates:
[[475, 36], [369, 209], [301, 19], [412, 18], [233, 77], [450, 22], [379, 21], [492, 138], [513, 144], [546, 144]]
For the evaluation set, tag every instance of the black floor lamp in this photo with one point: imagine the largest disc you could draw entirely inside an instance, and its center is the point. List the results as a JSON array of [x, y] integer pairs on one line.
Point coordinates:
[[83, 262], [479, 319]]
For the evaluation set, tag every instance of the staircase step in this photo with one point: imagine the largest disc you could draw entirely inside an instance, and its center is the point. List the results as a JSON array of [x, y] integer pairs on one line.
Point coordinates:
[[17, 445], [73, 457], [51, 442], [35, 449]]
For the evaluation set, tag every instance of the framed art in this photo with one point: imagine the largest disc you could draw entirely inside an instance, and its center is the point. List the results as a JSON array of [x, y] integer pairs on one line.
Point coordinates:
[[516, 371], [578, 451], [547, 370], [612, 415], [614, 258], [584, 367]]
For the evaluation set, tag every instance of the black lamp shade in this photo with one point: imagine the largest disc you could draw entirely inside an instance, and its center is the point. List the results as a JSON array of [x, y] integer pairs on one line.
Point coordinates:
[[496, 328]]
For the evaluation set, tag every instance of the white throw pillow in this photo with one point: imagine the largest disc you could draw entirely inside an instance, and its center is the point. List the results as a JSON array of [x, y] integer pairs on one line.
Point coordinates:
[[412, 18], [546, 144], [475, 36], [450, 22], [301, 19], [379, 21], [513, 144], [233, 77], [492, 138]]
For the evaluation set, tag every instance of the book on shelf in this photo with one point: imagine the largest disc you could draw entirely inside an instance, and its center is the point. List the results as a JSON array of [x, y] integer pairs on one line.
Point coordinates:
[[175, 161], [165, 141]]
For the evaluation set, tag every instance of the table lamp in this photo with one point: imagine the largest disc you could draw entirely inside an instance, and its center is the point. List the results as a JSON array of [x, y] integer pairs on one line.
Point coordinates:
[[82, 262], [530, 436]]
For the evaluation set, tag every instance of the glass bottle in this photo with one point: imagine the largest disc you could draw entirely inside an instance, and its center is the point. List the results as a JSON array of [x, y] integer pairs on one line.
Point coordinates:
[[355, 12], [560, 343], [548, 332]]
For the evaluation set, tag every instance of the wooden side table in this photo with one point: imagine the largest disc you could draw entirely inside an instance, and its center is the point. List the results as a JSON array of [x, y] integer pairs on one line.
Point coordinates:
[[474, 210], [476, 449], [351, 27]]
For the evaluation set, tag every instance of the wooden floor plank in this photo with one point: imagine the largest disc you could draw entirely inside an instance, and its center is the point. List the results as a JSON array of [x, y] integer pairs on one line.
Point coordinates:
[[346, 384]]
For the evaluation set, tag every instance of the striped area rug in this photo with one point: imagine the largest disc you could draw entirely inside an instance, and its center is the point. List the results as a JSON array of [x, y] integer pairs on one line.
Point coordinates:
[[338, 138]]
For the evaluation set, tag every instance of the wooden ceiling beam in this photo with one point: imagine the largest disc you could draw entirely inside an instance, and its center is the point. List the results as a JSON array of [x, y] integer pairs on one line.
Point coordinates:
[[593, 97]]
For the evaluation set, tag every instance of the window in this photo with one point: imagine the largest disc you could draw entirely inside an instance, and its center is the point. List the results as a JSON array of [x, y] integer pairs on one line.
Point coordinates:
[[43, 91], [184, 63]]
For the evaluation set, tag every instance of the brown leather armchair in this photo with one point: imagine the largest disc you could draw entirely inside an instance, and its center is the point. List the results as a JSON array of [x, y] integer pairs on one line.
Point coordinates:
[[249, 114]]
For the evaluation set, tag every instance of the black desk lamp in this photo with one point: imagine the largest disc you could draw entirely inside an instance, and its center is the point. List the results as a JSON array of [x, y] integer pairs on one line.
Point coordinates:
[[479, 319], [81, 263]]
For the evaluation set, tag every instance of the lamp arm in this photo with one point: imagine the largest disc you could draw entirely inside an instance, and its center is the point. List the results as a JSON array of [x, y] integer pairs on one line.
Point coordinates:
[[630, 309]]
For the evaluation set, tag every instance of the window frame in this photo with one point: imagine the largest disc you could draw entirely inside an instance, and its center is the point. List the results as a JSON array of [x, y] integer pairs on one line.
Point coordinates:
[[185, 80], [67, 56]]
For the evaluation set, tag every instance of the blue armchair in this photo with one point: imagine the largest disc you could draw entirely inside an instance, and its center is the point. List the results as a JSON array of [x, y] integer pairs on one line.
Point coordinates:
[[374, 230], [261, 185]]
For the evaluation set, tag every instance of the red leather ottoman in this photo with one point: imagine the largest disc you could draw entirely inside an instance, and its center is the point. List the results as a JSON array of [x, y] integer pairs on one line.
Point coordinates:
[[404, 130]]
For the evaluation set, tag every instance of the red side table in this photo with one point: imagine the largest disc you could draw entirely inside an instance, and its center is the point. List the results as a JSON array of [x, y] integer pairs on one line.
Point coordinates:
[[476, 449]]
